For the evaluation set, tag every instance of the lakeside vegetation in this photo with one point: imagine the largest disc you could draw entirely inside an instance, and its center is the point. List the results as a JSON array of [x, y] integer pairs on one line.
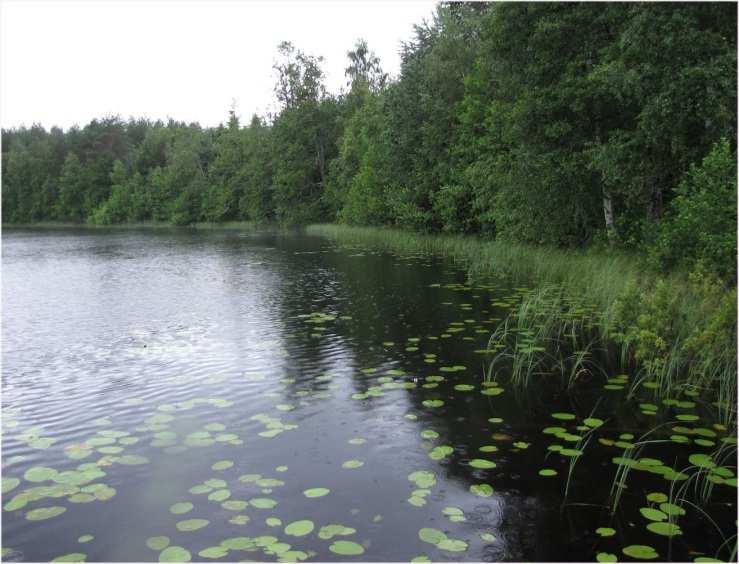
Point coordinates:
[[542, 128], [675, 331]]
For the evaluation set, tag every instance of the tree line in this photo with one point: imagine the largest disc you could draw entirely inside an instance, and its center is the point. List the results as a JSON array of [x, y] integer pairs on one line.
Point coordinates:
[[566, 124]]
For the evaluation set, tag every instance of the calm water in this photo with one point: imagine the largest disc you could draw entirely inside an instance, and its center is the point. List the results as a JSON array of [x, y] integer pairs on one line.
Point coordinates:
[[143, 369]]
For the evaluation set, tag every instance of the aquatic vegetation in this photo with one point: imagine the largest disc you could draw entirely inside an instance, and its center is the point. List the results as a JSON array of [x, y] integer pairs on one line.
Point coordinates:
[[327, 532], [157, 543], [352, 464], [346, 548], [44, 513], [299, 528], [175, 554], [192, 524], [316, 492], [640, 552]]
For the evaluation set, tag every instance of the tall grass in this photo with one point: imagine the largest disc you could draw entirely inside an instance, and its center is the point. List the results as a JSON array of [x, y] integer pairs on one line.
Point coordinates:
[[580, 300]]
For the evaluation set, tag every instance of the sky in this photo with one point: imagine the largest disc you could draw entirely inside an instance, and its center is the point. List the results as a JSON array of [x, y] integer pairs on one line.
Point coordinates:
[[64, 63]]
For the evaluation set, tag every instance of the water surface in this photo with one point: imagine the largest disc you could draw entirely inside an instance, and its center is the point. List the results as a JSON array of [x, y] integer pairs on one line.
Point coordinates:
[[148, 368]]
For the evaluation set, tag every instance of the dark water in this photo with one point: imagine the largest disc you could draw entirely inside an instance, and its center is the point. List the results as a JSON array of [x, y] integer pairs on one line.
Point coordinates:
[[134, 361]]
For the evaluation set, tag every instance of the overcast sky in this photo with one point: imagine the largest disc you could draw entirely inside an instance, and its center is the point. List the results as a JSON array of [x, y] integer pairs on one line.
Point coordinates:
[[64, 63]]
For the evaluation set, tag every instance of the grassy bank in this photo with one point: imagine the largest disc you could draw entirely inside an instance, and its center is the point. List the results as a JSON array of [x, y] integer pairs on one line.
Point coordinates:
[[674, 332]]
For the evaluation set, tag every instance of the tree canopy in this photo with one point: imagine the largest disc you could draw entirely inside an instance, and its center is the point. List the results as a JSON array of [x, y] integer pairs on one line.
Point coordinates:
[[566, 124]]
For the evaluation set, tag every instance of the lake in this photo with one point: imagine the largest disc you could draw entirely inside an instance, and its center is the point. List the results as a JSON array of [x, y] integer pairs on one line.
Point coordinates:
[[186, 394]]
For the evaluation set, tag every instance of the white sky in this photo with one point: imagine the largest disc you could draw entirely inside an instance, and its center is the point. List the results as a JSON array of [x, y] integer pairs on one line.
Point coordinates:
[[68, 62]]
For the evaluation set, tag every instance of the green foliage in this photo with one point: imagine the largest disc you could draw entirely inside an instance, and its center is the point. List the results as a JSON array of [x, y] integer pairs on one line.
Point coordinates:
[[562, 124], [699, 230]]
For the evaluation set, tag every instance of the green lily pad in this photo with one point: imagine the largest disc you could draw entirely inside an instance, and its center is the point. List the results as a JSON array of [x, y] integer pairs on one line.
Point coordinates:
[[422, 478], [213, 552], [482, 463], [273, 522], [316, 492], [222, 465], [43, 513], [563, 416], [346, 548], [220, 495], [672, 509], [72, 557], [652, 514], [85, 538], [657, 497], [329, 531], [665, 529], [238, 543], [488, 537], [452, 545], [702, 461], [606, 557], [157, 543], [262, 502], [640, 552], [299, 528], [439, 452], [432, 536], [39, 474], [481, 490], [174, 554], [605, 531], [181, 507], [192, 524], [9, 484], [433, 403], [351, 464], [429, 434], [547, 472], [234, 505]]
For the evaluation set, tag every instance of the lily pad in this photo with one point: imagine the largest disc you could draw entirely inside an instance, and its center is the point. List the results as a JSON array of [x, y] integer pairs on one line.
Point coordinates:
[[262, 502], [605, 531], [43, 513], [299, 528], [222, 465], [72, 557], [181, 507], [482, 463], [329, 531], [652, 514], [346, 548], [432, 536], [433, 403], [39, 474], [192, 524], [9, 484], [672, 509], [175, 554], [351, 464], [482, 490], [547, 472], [157, 543], [316, 492], [665, 529], [640, 552]]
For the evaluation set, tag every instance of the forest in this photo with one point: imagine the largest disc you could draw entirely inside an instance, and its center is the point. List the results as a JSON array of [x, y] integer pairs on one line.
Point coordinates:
[[563, 124]]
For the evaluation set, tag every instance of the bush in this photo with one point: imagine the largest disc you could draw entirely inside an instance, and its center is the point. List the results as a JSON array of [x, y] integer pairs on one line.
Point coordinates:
[[699, 231]]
